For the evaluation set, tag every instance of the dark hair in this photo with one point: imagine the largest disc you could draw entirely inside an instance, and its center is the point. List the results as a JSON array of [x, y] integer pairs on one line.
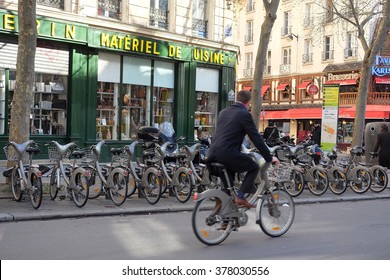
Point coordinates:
[[271, 123], [244, 96], [384, 127]]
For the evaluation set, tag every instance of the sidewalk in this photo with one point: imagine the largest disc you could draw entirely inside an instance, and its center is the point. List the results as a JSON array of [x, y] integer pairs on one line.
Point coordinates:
[[20, 211]]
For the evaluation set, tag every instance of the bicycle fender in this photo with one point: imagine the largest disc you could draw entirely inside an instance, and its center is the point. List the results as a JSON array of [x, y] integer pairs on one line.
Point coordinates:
[[332, 170], [146, 173], [119, 170], [175, 180], [74, 172]]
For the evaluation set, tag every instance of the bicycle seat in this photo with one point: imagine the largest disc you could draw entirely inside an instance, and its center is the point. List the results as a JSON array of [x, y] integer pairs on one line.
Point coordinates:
[[22, 147], [131, 148], [62, 149], [116, 151], [192, 150], [78, 154], [33, 150], [332, 156]]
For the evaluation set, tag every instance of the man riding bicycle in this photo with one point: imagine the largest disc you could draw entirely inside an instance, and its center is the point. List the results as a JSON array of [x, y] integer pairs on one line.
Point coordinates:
[[234, 123]]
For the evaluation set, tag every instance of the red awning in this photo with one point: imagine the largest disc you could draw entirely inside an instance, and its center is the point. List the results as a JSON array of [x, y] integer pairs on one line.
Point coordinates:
[[304, 85], [298, 114], [341, 82], [264, 89], [382, 80], [246, 87], [282, 86], [379, 112]]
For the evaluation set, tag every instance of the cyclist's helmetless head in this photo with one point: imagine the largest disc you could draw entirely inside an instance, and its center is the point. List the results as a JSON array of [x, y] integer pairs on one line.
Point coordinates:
[[244, 96]]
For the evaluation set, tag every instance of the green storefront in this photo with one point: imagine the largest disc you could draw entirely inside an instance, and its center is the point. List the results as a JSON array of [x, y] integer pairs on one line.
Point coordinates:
[[93, 84]]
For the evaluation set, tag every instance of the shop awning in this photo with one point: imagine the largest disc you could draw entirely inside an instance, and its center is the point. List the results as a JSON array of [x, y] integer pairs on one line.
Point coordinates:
[[275, 115], [382, 80], [304, 85], [246, 87], [379, 112], [282, 86], [341, 82], [298, 114], [264, 89]]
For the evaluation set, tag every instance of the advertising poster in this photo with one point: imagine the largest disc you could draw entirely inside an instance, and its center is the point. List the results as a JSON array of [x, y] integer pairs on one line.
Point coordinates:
[[330, 110]]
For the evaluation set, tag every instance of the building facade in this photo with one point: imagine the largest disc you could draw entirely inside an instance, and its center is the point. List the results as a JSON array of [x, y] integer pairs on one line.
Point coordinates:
[[307, 50], [105, 67]]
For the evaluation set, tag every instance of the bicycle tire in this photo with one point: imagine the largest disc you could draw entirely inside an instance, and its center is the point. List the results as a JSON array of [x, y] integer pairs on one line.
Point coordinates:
[[36, 191], [152, 190], [80, 190], [54, 183], [276, 213], [16, 184], [183, 190], [295, 185], [380, 179], [207, 226], [320, 184], [132, 185], [338, 183], [364, 180], [118, 192], [95, 184]]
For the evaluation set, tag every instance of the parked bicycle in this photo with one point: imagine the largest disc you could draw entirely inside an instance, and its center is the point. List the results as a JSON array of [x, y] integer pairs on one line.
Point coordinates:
[[75, 177], [24, 178], [215, 214], [108, 179], [338, 181]]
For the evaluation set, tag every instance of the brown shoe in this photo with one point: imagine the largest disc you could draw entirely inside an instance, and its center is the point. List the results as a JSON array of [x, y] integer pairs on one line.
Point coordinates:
[[243, 202]]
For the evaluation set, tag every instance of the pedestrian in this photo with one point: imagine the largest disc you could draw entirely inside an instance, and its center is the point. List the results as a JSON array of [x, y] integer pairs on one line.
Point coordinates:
[[316, 134], [271, 134], [234, 123], [383, 146]]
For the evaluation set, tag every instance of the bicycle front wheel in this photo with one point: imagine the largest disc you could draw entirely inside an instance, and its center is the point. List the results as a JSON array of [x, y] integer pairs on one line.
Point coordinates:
[[183, 190], [296, 183], [131, 185], [208, 226], [276, 213], [152, 190], [80, 190], [54, 182], [379, 179], [338, 182], [95, 184], [118, 192], [36, 191], [362, 182], [16, 184], [320, 183]]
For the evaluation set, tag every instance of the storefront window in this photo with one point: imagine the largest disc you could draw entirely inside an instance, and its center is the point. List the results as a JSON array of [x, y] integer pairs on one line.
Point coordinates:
[[344, 131], [2, 101], [163, 95]]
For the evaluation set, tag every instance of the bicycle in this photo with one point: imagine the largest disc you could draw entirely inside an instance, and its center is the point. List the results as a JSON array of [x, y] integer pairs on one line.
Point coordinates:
[[338, 181], [24, 178], [215, 214], [378, 173], [75, 177], [108, 179]]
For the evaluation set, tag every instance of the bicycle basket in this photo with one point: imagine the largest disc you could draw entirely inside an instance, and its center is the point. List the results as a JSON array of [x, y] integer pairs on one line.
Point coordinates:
[[12, 155], [282, 154], [303, 156], [55, 155], [280, 172], [89, 156]]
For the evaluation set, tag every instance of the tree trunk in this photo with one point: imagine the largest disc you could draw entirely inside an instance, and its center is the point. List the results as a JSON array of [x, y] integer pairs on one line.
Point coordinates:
[[22, 101], [261, 57]]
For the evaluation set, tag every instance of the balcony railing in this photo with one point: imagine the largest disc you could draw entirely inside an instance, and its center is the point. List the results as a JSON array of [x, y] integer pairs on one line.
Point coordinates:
[[267, 70], [248, 72], [286, 31], [328, 55], [285, 68], [350, 52], [158, 18], [199, 27], [59, 4], [307, 58], [248, 39], [109, 8]]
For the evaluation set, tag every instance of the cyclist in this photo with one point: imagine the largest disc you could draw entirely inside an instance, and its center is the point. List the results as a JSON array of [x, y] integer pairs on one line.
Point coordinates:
[[234, 123]]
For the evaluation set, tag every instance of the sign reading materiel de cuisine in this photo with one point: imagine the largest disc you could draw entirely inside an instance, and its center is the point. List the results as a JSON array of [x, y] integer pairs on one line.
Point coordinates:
[[125, 42]]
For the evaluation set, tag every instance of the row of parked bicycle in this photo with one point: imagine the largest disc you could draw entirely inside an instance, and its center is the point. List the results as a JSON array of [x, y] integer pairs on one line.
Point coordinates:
[[78, 174]]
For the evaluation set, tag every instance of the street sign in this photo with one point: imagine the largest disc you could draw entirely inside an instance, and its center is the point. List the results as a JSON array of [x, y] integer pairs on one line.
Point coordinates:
[[312, 89], [263, 114]]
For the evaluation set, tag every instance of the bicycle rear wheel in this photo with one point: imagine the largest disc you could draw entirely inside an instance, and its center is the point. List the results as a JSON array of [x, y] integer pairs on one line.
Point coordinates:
[[152, 190], [54, 182], [363, 180], [276, 213], [208, 226], [16, 184], [320, 184], [118, 192], [296, 183], [379, 179], [95, 184], [338, 183], [36, 191], [131, 185], [183, 190], [80, 190]]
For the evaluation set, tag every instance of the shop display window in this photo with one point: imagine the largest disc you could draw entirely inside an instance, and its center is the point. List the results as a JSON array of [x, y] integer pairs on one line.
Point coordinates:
[[162, 105], [2, 101], [106, 116], [205, 113]]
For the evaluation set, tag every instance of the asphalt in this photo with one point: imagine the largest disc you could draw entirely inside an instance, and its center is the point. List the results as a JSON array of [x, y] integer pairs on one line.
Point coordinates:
[[12, 211]]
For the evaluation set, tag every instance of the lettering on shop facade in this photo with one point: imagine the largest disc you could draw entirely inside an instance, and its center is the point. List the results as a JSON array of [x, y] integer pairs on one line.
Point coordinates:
[[382, 66]]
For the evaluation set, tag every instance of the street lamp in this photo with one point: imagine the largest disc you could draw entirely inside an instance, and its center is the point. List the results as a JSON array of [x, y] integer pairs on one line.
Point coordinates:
[[291, 36]]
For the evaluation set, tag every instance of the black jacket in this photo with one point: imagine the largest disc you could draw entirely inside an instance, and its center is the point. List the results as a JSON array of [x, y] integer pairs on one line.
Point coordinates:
[[383, 142], [234, 123]]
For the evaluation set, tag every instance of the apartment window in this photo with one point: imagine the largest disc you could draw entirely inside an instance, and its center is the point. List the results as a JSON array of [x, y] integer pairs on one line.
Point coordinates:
[[350, 45], [159, 13], [59, 4], [249, 32], [285, 67], [286, 29], [307, 56], [199, 22], [308, 19], [109, 8], [250, 6], [248, 71], [267, 68], [328, 48]]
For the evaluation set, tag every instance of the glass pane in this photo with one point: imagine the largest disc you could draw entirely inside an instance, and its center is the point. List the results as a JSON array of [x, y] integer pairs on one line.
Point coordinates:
[[205, 114], [106, 114], [163, 105], [2, 101]]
